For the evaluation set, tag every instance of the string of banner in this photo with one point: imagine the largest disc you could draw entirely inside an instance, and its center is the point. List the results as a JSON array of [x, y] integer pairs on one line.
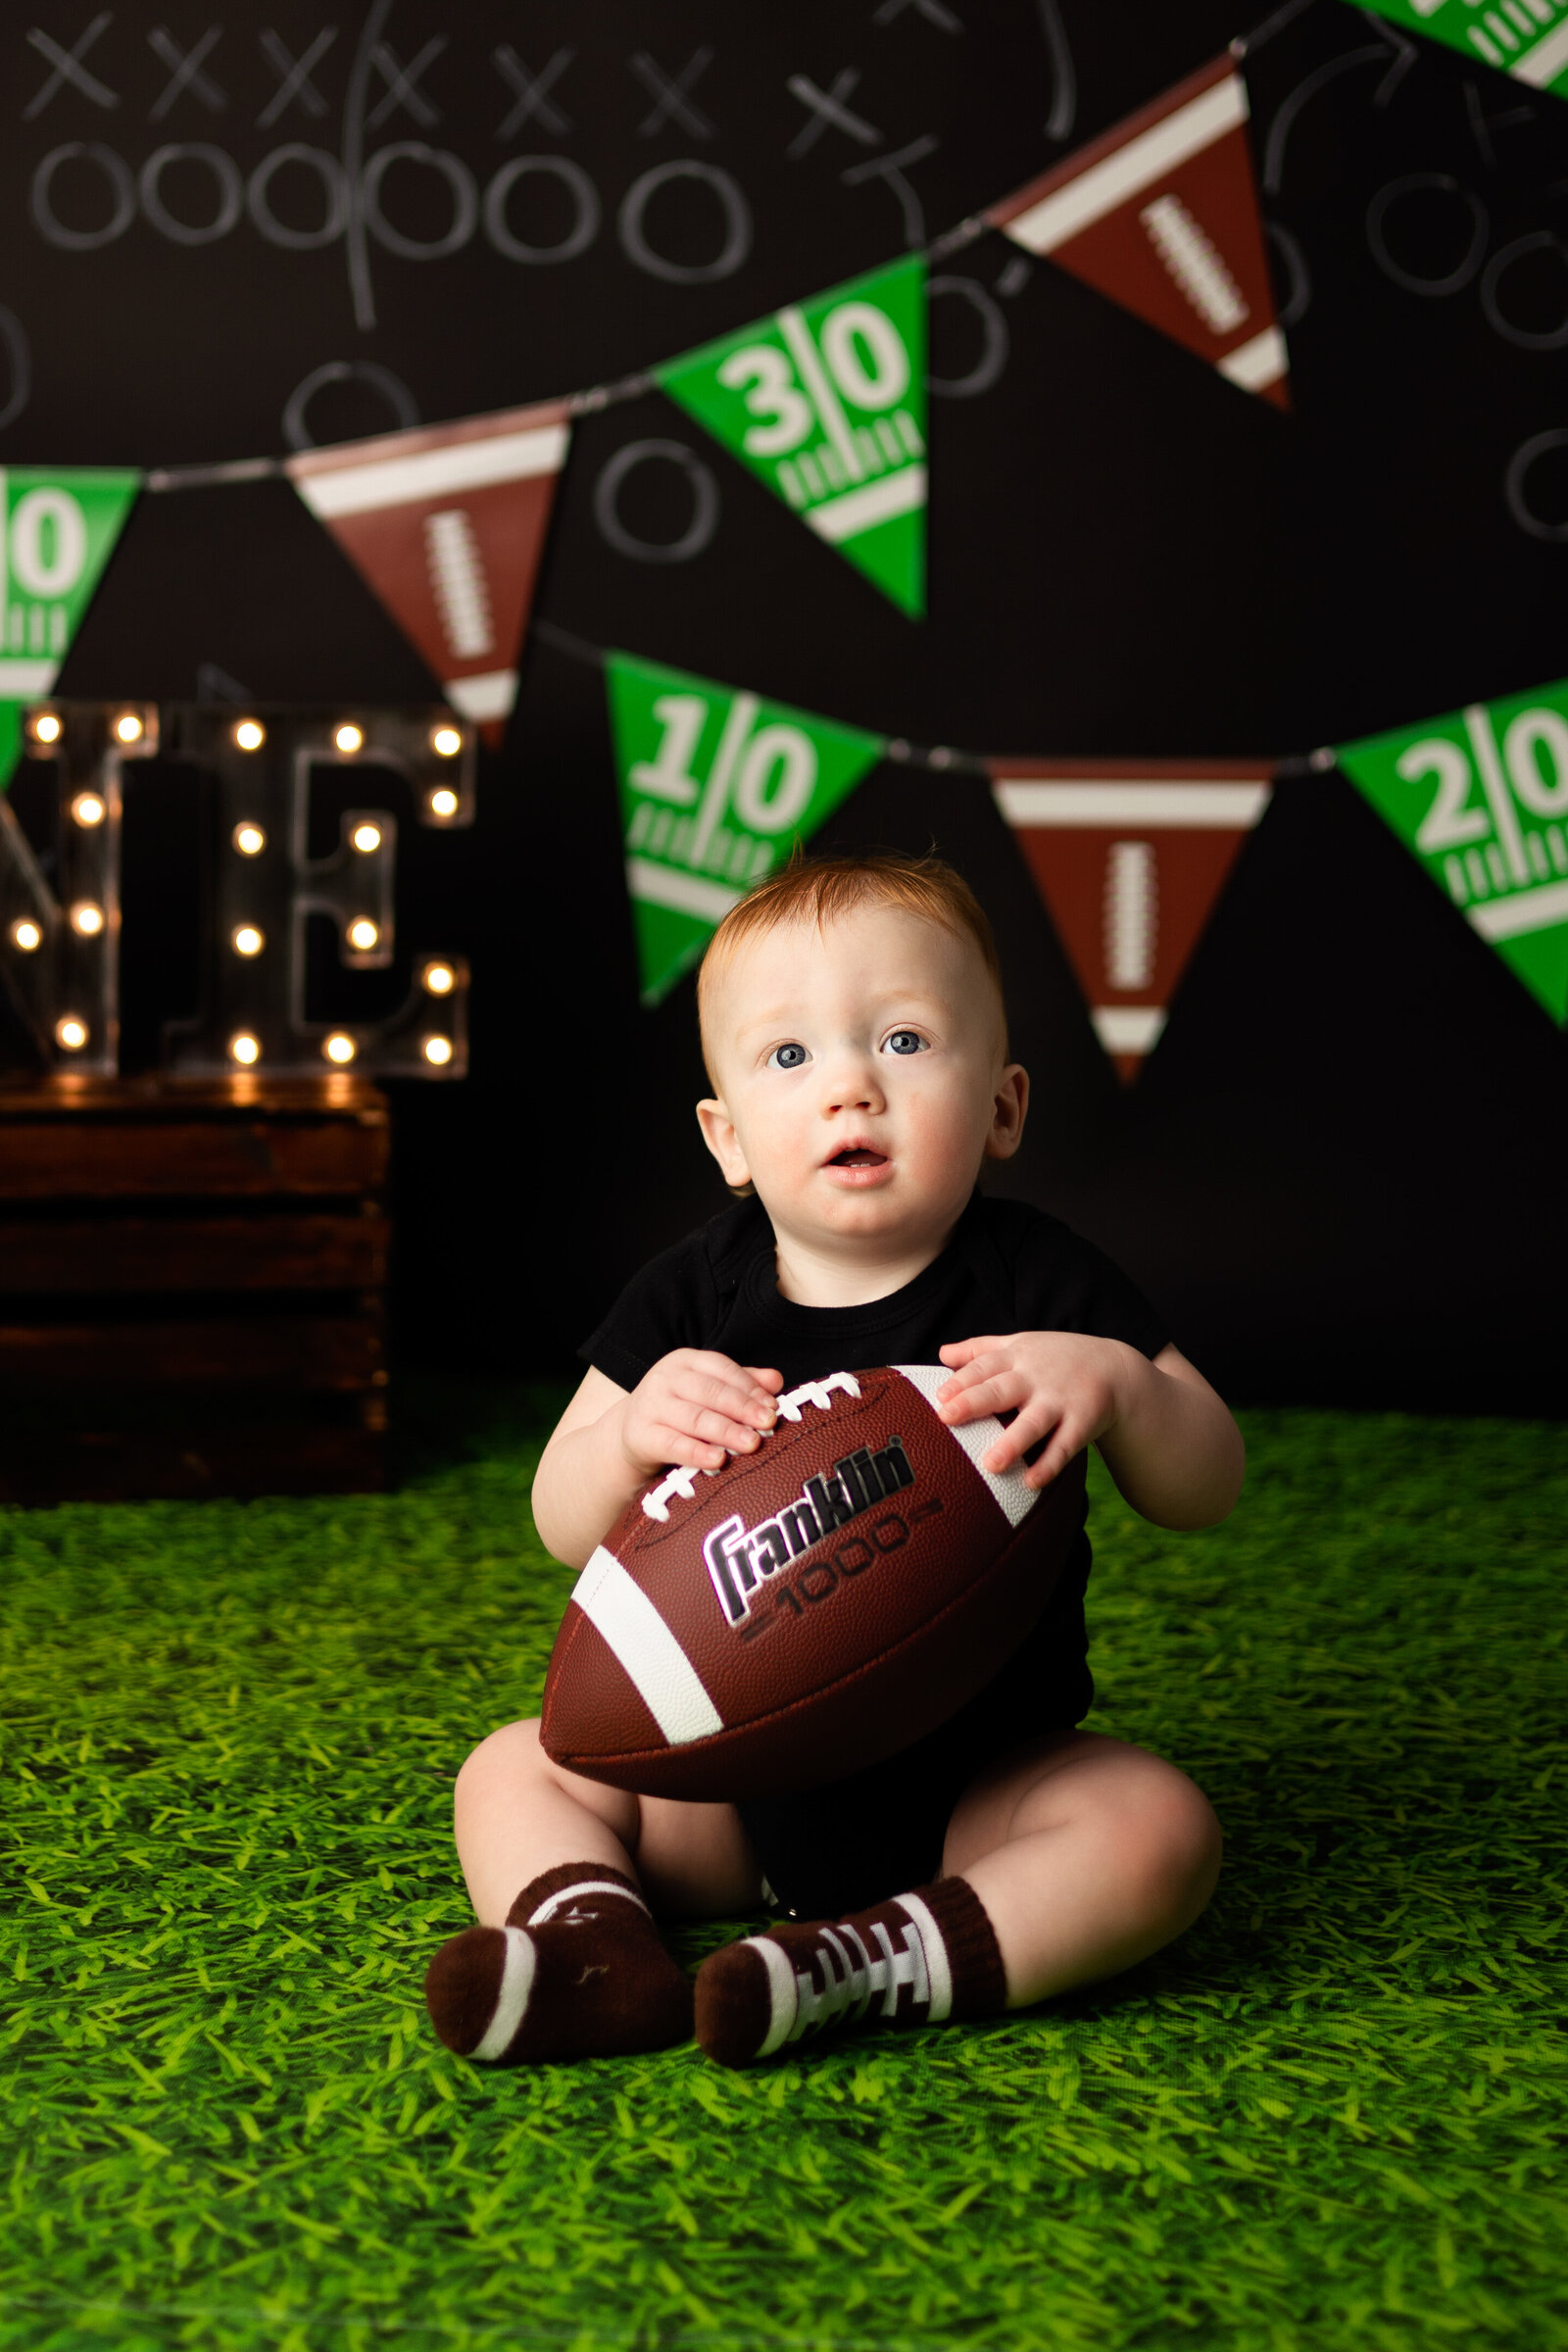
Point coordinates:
[[824, 403]]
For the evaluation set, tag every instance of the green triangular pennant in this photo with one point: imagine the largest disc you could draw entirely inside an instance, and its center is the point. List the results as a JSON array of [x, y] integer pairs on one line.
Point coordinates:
[[1481, 799], [1528, 40], [825, 402], [61, 526], [716, 786]]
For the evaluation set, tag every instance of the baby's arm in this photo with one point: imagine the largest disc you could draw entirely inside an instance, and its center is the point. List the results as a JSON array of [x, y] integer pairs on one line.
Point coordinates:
[[692, 1406], [1166, 1438]]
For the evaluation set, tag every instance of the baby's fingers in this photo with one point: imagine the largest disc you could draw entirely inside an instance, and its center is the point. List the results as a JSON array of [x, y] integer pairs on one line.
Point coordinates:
[[989, 1385], [1069, 1440], [673, 1446]]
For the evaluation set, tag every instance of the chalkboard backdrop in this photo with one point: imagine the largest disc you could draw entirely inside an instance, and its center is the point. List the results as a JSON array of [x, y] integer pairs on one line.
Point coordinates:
[[1341, 1172]]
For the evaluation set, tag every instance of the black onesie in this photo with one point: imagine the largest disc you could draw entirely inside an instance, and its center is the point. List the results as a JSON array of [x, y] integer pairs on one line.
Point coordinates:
[[1006, 1268]]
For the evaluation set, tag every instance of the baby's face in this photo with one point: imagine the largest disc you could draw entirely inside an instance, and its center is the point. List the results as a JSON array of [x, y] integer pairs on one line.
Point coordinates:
[[860, 1077]]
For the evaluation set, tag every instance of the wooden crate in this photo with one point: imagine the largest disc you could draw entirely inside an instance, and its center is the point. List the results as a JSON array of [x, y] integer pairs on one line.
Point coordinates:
[[192, 1287]]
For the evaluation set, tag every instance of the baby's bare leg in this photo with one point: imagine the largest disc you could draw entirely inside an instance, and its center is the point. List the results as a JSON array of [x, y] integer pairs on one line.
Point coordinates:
[[566, 1961], [517, 1815], [1088, 1854]]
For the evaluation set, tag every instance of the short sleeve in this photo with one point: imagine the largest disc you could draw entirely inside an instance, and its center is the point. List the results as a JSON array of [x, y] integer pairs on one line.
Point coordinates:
[[1064, 1283], [666, 1305]]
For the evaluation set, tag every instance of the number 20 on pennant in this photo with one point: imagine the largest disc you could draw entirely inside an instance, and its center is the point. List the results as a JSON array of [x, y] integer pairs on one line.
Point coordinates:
[[1482, 799]]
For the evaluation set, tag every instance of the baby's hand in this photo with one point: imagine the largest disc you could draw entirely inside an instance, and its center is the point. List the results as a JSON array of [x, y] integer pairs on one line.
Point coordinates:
[[1056, 1380], [694, 1407]]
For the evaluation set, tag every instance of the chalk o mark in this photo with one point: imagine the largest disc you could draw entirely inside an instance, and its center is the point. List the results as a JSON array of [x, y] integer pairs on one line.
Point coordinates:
[[257, 201], [41, 199], [573, 178], [1299, 301], [1539, 445], [1553, 338], [393, 390], [732, 202], [465, 201], [19, 357], [705, 504], [1413, 182], [231, 193], [1279, 130], [994, 348], [1063, 75]]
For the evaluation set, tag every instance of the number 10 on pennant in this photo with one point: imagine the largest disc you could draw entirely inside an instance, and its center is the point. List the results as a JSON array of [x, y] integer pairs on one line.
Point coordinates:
[[1481, 797], [717, 785]]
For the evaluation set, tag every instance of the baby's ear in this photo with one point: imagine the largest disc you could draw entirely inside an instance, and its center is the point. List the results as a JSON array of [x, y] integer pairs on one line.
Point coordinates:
[[719, 1134]]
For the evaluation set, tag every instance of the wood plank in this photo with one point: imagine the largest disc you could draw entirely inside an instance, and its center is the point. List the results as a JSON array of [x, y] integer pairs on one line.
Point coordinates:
[[310, 1353], [72, 1256], [55, 1159], [92, 1466], [30, 1094]]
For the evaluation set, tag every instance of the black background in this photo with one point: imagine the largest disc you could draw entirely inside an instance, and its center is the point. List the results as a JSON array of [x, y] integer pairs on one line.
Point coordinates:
[[1340, 1175]]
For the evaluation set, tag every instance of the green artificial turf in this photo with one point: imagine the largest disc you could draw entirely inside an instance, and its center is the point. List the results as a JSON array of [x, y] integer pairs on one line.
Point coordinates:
[[1331, 2115]]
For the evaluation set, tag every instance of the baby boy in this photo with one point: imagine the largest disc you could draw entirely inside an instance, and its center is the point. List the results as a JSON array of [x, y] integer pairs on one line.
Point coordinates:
[[855, 1042]]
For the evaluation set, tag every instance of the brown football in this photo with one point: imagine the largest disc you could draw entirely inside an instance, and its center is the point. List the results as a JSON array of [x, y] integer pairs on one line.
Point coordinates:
[[811, 1608]]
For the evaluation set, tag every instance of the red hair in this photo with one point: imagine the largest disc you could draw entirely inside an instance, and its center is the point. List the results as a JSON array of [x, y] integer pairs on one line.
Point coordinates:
[[819, 890]]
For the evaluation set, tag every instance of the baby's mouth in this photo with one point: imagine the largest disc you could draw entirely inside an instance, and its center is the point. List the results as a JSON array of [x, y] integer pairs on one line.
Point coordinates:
[[859, 1155]]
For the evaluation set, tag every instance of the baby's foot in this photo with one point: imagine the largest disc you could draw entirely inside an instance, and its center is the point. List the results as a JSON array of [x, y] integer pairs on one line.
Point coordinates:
[[914, 1961], [578, 1971]]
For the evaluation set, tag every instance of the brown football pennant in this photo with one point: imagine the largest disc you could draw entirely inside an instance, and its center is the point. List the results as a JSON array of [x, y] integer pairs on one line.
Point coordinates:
[[447, 525], [1161, 214], [1130, 857]]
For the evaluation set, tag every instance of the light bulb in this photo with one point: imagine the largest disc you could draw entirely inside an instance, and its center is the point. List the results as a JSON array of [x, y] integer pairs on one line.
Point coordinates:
[[363, 935], [438, 1050], [249, 839], [338, 1047], [250, 734], [446, 741], [248, 940], [26, 936], [348, 737], [128, 727], [439, 978], [88, 808], [70, 1033], [366, 838], [244, 1048], [443, 802], [86, 919], [46, 727]]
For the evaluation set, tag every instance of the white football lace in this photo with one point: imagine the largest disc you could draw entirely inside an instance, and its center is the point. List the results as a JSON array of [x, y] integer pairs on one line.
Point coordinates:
[[848, 1988], [682, 1480]]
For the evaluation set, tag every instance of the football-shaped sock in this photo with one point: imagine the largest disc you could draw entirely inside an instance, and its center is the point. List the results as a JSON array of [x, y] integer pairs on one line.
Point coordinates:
[[578, 1971], [914, 1961]]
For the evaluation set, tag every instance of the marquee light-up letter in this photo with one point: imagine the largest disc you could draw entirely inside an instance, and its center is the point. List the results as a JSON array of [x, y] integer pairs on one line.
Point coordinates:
[[60, 954], [265, 884]]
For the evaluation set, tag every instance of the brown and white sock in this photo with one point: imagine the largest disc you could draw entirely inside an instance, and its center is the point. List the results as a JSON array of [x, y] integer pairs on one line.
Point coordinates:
[[914, 1961], [578, 1971]]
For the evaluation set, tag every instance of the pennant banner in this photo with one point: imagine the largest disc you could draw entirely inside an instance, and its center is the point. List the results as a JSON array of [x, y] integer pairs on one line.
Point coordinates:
[[61, 523], [1161, 214], [1130, 858], [825, 402], [717, 786], [1527, 38], [447, 527], [1481, 799]]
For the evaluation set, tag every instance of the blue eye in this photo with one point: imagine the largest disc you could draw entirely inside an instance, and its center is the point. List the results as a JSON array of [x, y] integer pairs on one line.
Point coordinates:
[[787, 1058], [904, 1040]]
